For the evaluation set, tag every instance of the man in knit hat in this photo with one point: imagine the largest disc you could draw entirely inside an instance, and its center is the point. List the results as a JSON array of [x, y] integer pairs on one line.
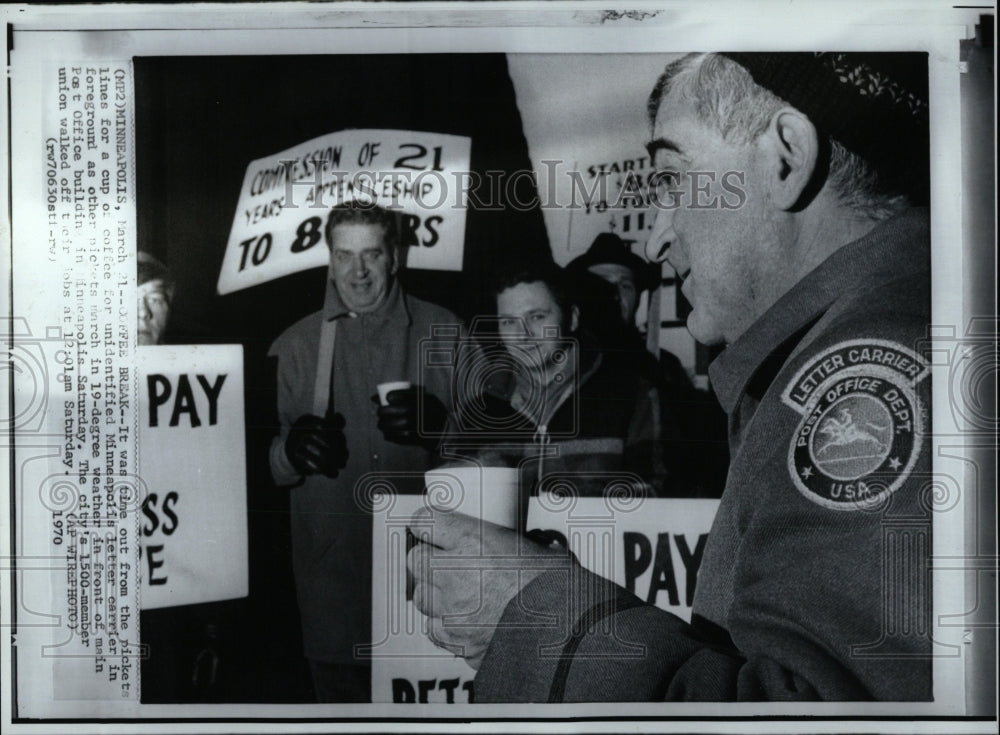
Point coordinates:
[[786, 189], [156, 291], [610, 259], [609, 279]]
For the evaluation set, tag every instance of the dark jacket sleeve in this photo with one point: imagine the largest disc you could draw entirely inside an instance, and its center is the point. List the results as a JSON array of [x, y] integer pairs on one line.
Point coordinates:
[[571, 636], [575, 637]]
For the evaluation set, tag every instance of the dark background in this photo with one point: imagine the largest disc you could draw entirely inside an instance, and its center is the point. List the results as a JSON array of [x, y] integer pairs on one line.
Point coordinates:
[[199, 123]]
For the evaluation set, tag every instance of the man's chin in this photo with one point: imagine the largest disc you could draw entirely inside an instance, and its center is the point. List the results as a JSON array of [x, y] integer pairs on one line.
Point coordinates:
[[705, 334], [363, 304]]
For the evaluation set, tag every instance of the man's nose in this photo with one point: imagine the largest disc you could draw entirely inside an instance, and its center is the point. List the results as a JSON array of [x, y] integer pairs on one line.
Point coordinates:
[[144, 310], [662, 236], [360, 266]]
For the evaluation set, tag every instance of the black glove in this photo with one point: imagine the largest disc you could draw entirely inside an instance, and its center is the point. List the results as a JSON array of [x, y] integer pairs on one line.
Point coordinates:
[[317, 446], [400, 421]]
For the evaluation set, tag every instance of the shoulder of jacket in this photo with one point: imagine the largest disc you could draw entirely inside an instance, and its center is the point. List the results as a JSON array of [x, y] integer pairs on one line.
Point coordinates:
[[857, 400], [297, 336], [907, 296], [425, 311], [894, 311]]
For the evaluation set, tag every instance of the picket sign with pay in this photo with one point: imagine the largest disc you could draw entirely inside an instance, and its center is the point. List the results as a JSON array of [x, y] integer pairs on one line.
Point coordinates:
[[652, 547], [192, 465]]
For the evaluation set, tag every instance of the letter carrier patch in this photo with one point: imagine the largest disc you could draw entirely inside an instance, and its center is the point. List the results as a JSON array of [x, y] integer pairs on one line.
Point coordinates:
[[862, 424]]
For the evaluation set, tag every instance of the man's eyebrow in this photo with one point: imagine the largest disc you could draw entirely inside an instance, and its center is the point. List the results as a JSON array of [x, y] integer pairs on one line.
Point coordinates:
[[662, 144]]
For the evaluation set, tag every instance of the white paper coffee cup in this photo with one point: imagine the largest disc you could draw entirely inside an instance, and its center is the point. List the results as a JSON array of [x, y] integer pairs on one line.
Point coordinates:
[[487, 493], [384, 389]]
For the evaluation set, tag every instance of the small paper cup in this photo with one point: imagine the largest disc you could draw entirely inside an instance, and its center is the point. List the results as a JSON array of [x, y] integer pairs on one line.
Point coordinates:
[[384, 389], [487, 493]]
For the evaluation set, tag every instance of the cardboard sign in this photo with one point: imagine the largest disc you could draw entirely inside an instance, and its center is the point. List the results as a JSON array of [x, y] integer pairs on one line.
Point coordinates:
[[192, 463], [652, 547], [285, 199], [613, 194], [406, 666], [591, 160]]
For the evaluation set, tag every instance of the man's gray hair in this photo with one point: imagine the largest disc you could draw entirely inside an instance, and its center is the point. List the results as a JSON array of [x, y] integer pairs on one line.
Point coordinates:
[[723, 94], [358, 212]]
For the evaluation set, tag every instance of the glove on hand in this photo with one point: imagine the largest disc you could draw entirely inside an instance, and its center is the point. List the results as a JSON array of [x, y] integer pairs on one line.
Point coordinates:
[[317, 446]]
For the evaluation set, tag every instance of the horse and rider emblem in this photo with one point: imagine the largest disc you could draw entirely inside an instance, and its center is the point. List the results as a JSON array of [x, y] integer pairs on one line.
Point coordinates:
[[852, 438], [861, 424]]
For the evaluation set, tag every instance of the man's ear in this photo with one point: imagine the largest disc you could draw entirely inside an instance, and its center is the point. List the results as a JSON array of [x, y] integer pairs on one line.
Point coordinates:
[[791, 149], [574, 319]]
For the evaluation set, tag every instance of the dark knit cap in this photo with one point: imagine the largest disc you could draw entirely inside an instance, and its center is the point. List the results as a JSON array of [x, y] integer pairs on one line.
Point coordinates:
[[149, 268], [608, 248], [874, 104]]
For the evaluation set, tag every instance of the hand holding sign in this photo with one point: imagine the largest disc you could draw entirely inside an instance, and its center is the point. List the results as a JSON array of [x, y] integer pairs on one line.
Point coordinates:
[[466, 572], [315, 446]]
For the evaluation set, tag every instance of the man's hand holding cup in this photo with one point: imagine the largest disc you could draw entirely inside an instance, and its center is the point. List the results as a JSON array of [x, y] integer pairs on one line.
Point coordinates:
[[409, 415], [467, 569]]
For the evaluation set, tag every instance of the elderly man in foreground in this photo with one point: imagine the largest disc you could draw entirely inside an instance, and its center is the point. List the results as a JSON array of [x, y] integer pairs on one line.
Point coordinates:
[[787, 185]]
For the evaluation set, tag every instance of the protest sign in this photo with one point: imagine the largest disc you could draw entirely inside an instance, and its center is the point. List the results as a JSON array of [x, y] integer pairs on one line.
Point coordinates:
[[406, 666], [192, 462], [652, 547], [281, 214], [591, 160]]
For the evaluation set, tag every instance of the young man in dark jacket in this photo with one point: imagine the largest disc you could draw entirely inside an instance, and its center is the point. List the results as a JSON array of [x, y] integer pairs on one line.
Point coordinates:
[[555, 403]]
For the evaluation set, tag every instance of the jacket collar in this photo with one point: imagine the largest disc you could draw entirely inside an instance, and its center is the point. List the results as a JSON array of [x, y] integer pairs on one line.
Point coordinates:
[[394, 308], [890, 250]]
